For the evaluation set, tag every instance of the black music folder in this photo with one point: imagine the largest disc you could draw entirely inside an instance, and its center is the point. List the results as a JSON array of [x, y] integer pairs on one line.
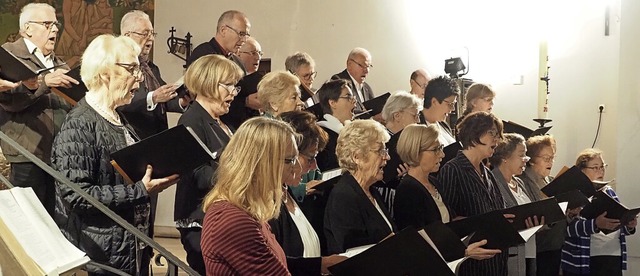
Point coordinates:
[[450, 152], [405, 253], [602, 202], [548, 208], [13, 69], [76, 92], [376, 104], [493, 227], [573, 198], [176, 150], [512, 127], [316, 110], [572, 179]]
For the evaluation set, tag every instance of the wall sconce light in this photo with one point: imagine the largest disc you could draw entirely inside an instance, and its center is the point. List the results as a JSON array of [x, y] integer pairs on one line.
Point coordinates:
[[180, 47]]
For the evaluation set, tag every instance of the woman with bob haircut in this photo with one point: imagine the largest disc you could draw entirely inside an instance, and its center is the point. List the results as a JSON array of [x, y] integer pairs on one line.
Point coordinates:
[[418, 202], [81, 152], [236, 237], [279, 92], [469, 187], [355, 214], [212, 80]]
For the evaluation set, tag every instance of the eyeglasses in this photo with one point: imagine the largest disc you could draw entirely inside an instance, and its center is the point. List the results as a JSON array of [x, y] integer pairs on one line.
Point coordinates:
[[132, 68], [383, 152], [240, 34], [364, 67], [439, 148], [291, 161], [147, 34], [48, 24], [309, 76], [253, 53], [349, 96], [494, 133], [598, 168], [423, 86], [546, 158], [452, 105], [310, 158], [233, 90], [416, 116]]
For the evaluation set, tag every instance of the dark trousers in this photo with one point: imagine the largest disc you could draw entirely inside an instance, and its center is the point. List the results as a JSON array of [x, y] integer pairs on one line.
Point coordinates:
[[548, 263], [603, 266], [190, 238], [29, 175]]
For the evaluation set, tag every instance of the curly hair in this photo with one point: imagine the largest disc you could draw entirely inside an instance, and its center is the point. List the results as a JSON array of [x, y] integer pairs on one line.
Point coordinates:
[[587, 155], [356, 139], [475, 125], [506, 147], [440, 88], [535, 145]]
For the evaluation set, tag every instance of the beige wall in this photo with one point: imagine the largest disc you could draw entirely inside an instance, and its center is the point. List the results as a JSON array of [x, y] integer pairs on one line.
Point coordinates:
[[502, 37]]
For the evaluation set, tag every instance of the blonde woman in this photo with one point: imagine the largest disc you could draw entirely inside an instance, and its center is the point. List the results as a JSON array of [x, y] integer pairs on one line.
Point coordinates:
[[279, 92], [248, 191], [212, 80], [81, 152]]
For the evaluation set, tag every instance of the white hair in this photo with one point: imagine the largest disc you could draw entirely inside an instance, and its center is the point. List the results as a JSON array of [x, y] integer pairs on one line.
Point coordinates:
[[26, 14], [399, 101], [130, 19], [358, 51]]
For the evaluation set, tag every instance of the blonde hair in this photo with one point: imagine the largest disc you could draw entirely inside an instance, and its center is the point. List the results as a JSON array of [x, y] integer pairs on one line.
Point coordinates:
[[356, 139], [587, 155], [474, 92], [274, 88], [415, 139], [100, 59], [206, 73], [250, 172], [399, 101]]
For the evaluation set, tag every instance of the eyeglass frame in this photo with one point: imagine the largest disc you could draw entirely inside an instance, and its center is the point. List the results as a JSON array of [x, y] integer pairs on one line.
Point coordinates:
[[310, 159], [451, 104], [349, 96], [307, 76], [422, 86], [494, 133], [240, 34], [235, 91], [253, 53], [49, 23], [437, 149], [362, 66], [547, 159], [414, 116], [291, 161], [146, 34], [597, 168], [133, 68], [382, 152]]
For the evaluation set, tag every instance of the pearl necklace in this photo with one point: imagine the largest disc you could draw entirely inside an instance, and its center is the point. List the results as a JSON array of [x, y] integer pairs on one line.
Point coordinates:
[[112, 117]]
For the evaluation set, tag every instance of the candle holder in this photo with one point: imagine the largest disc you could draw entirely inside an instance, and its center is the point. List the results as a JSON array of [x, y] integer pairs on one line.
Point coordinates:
[[180, 47]]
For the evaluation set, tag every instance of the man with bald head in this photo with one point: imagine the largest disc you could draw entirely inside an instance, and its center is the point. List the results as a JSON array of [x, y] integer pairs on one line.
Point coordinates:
[[232, 32], [358, 66], [246, 105], [418, 82], [29, 113]]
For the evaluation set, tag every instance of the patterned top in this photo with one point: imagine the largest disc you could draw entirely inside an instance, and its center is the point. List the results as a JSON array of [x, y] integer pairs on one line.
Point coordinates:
[[470, 194], [234, 243]]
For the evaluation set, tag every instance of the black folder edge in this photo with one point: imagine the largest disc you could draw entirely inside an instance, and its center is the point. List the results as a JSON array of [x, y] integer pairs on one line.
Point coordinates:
[[513, 127], [129, 180], [574, 199], [548, 208], [16, 77], [602, 202], [376, 104], [72, 95], [492, 226], [575, 177]]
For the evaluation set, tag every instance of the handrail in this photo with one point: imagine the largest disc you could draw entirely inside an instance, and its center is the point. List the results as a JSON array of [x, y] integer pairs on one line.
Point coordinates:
[[172, 260]]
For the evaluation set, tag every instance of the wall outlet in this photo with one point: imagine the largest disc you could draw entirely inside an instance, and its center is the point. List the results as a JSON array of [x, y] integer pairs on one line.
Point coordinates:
[[601, 108]]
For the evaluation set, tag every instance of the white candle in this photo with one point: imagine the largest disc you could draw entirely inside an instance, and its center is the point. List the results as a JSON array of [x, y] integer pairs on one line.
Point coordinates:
[[543, 99]]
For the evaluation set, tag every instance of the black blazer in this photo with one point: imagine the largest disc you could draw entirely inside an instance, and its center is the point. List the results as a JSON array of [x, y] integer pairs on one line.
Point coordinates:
[[143, 121], [194, 186], [351, 220], [366, 89], [390, 178], [414, 205], [288, 236], [212, 47], [327, 158]]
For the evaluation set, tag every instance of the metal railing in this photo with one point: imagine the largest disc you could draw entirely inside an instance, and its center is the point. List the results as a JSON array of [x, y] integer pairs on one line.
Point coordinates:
[[172, 261]]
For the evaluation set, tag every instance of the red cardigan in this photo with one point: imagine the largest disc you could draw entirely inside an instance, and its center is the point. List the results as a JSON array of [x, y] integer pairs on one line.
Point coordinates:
[[234, 243]]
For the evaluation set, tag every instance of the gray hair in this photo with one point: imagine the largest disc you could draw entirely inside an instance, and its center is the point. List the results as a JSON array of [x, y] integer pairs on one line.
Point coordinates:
[[26, 14], [130, 19], [358, 51], [227, 18], [293, 62], [398, 102]]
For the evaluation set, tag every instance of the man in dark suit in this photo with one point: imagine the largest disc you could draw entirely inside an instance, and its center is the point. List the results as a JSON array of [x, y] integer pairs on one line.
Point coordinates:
[[29, 113], [147, 112], [358, 66], [232, 32]]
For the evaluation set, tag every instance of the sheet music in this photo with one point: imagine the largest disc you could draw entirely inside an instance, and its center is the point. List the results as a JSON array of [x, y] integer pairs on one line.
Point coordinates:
[[356, 250], [526, 234], [331, 174]]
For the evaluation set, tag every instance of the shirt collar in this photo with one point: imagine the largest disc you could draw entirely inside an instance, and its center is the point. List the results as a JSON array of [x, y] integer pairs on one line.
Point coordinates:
[[34, 50]]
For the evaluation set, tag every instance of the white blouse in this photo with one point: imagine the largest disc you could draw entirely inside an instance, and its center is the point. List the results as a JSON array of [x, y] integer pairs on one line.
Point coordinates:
[[309, 236]]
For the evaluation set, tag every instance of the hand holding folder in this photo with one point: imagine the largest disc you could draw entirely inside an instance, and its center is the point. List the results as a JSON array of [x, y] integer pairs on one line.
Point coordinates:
[[601, 203], [75, 92], [13, 69]]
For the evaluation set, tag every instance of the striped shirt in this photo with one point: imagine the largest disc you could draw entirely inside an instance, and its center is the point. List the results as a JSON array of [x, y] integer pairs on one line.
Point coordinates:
[[234, 243], [576, 250], [469, 194]]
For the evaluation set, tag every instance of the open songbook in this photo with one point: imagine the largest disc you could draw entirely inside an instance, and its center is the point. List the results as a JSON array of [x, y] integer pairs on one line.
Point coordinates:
[[493, 227], [13, 69], [175, 150], [430, 251], [30, 241], [602, 202]]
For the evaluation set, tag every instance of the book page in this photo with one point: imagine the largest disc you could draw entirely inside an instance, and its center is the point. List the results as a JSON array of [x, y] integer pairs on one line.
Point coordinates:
[[526, 234], [452, 265], [331, 174], [563, 206], [356, 250]]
